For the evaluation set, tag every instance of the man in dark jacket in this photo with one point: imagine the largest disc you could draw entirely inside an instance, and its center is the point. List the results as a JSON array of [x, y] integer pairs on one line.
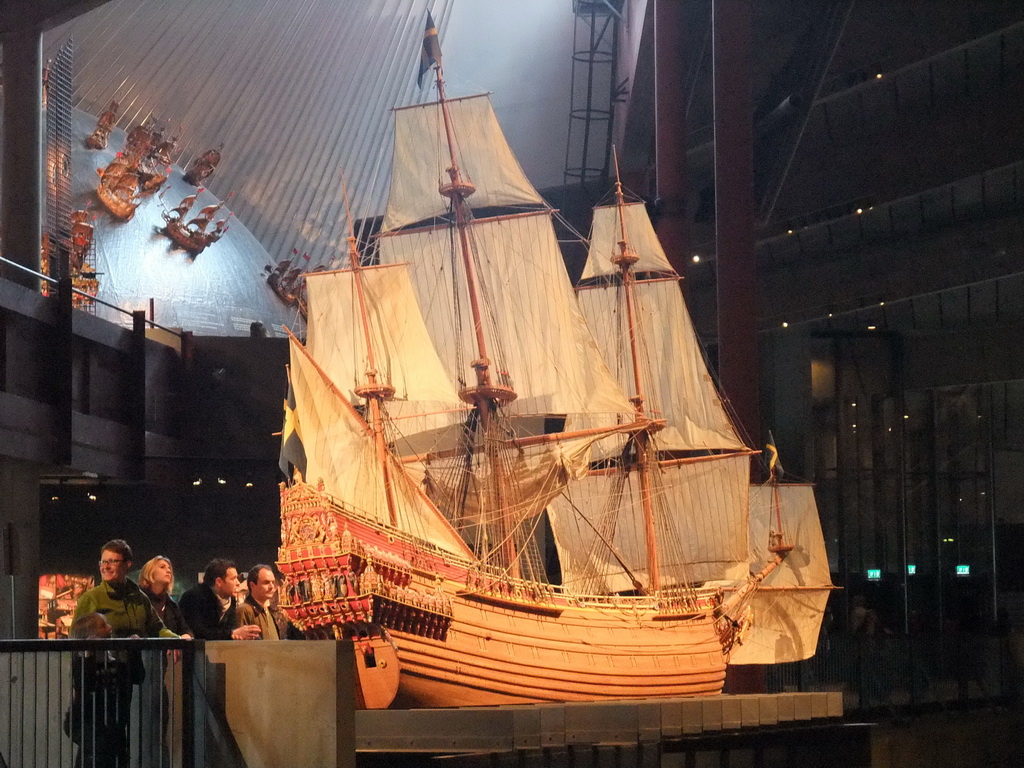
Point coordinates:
[[209, 608], [258, 607]]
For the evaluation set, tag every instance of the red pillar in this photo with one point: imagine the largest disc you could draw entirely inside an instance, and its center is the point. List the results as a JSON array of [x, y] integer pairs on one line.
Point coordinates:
[[734, 227], [734, 234]]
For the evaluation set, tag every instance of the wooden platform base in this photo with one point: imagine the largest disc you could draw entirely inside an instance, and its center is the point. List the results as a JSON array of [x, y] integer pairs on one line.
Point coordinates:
[[527, 726]]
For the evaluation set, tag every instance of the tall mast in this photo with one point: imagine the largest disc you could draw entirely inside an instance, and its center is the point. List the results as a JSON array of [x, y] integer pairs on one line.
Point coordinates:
[[486, 395], [373, 391], [624, 260]]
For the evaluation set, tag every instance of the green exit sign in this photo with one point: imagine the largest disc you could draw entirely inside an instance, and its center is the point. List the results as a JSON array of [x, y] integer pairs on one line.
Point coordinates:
[[874, 574], [963, 570], [911, 570]]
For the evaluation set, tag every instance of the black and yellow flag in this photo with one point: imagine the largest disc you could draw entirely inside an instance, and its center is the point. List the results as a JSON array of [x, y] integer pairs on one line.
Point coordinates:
[[774, 465], [431, 52], [292, 450]]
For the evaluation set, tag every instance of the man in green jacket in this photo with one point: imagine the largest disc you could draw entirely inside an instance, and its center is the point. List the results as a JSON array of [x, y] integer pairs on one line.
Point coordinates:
[[119, 599], [130, 615]]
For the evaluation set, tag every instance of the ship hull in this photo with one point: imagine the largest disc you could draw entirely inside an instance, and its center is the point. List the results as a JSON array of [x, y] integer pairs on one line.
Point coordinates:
[[464, 639]]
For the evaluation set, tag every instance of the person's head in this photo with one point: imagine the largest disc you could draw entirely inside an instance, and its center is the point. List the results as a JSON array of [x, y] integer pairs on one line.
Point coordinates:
[[221, 576], [115, 561], [89, 626], [157, 575], [262, 583]]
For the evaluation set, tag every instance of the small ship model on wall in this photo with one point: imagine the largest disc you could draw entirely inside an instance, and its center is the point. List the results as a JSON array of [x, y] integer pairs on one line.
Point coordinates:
[[193, 235], [104, 125]]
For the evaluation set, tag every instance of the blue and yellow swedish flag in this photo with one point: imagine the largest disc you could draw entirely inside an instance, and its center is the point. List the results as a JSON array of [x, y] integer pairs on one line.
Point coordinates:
[[774, 465], [293, 453], [431, 52]]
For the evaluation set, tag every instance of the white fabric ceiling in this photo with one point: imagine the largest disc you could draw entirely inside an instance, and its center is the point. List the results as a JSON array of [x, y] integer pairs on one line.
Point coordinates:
[[299, 91]]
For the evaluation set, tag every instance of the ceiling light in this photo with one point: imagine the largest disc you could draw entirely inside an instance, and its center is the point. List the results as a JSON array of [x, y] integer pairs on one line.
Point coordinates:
[[871, 327], [197, 481], [221, 481], [785, 324]]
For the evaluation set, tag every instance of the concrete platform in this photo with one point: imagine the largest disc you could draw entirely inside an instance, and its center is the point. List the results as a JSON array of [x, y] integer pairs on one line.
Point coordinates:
[[624, 722]]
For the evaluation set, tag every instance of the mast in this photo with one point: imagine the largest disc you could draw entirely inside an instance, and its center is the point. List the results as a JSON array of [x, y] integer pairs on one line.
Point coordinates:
[[487, 395], [625, 260], [373, 391]]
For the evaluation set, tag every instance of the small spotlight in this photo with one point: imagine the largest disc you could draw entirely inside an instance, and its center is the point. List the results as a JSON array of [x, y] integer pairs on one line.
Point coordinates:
[[92, 497], [696, 258], [878, 76], [197, 481], [789, 231], [785, 324], [55, 498], [221, 481], [249, 484], [860, 211], [906, 415], [830, 314], [871, 327], [853, 405], [854, 426], [881, 303]]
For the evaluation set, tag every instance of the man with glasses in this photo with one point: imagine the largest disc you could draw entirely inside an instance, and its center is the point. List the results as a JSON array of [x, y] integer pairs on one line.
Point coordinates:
[[119, 599], [129, 614]]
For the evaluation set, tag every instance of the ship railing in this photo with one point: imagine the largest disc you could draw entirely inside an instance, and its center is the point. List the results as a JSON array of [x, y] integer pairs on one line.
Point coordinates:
[[903, 672], [63, 701], [488, 578]]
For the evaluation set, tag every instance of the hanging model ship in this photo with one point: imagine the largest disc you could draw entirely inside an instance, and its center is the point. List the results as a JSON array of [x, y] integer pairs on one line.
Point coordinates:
[[194, 234], [451, 404]]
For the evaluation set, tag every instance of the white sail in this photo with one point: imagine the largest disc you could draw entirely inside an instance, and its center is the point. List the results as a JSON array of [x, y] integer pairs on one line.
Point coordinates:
[[676, 384], [606, 233], [421, 161], [403, 353], [788, 607], [340, 452], [537, 339], [700, 515]]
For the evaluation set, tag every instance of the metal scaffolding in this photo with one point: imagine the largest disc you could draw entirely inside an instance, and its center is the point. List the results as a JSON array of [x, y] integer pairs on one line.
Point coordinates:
[[594, 90]]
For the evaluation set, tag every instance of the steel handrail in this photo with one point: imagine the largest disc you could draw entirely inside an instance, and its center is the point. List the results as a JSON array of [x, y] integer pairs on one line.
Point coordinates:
[[48, 279]]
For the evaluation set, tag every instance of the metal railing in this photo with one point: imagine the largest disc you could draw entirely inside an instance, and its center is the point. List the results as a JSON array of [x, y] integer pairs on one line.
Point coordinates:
[[90, 703], [903, 672], [89, 296]]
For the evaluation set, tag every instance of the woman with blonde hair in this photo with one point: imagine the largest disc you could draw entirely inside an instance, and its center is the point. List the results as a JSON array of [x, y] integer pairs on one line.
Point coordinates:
[[157, 581]]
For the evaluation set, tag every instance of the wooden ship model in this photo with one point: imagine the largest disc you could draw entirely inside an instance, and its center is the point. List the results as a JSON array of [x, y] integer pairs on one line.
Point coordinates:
[[104, 125], [118, 188], [139, 169], [202, 167], [452, 402], [194, 235], [81, 262]]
